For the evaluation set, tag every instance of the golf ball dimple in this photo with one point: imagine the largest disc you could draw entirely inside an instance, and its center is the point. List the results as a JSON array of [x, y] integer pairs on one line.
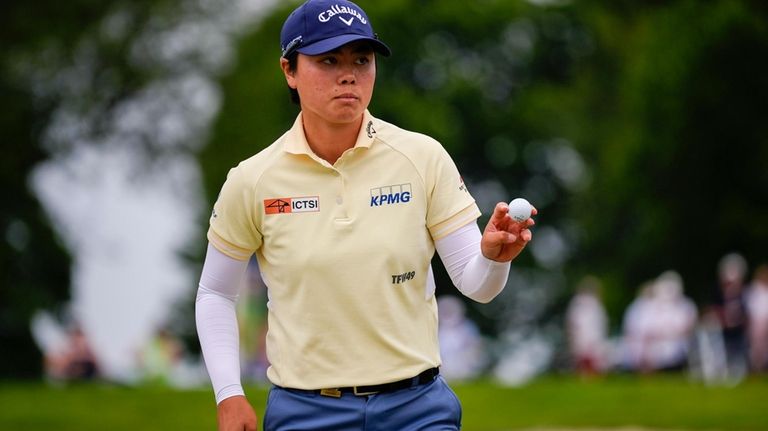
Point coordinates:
[[520, 210]]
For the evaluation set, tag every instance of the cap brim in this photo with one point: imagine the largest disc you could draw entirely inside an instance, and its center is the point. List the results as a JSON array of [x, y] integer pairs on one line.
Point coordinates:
[[332, 43]]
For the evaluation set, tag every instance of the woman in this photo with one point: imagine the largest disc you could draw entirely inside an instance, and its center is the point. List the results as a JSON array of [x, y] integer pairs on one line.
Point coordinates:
[[344, 213]]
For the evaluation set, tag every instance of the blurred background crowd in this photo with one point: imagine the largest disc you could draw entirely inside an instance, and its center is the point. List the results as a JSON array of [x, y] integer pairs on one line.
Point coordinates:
[[662, 330], [637, 129]]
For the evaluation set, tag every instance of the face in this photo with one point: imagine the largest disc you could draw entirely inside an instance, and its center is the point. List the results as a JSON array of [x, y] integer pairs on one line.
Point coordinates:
[[335, 87]]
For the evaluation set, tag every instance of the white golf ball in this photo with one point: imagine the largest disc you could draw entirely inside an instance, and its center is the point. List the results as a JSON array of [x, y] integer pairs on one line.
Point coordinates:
[[520, 210]]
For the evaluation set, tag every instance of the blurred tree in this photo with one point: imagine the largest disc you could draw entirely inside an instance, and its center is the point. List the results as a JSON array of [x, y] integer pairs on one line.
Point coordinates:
[[669, 111], [34, 265]]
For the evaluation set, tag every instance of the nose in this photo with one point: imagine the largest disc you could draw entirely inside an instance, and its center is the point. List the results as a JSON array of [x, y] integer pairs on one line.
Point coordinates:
[[347, 75]]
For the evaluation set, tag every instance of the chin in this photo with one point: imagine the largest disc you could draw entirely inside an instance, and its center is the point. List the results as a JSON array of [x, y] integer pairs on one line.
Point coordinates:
[[349, 115]]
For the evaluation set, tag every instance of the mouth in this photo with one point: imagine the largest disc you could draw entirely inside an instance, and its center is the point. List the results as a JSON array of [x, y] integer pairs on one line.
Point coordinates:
[[347, 97]]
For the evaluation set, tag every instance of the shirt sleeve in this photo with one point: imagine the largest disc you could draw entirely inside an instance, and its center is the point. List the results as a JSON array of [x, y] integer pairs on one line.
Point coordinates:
[[234, 221], [451, 206], [216, 321]]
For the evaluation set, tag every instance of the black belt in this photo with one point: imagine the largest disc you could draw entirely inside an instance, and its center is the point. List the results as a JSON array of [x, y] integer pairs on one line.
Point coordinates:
[[423, 377]]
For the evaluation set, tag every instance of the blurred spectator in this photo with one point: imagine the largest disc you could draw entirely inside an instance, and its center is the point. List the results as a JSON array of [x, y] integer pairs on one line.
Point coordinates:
[[161, 357], [757, 308], [461, 346], [708, 360], [67, 354], [523, 353], [729, 305], [659, 326], [674, 320], [79, 362], [636, 325], [587, 326]]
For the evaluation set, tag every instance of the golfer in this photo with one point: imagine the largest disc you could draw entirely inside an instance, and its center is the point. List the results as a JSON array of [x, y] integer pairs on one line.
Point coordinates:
[[344, 213]]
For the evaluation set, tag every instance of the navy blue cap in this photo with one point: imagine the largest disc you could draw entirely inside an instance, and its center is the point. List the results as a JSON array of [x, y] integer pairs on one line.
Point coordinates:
[[320, 26]]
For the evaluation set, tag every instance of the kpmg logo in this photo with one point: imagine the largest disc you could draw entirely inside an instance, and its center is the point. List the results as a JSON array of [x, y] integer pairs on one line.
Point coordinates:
[[389, 195], [338, 10]]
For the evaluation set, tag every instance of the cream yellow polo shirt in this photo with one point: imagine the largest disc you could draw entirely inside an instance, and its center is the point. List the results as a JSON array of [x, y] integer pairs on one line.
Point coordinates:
[[345, 251]]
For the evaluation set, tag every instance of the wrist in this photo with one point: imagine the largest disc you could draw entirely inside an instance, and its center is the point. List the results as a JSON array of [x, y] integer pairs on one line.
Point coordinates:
[[230, 391]]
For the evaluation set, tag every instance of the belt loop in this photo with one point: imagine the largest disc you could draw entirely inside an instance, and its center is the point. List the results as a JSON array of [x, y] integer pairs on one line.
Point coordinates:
[[361, 393]]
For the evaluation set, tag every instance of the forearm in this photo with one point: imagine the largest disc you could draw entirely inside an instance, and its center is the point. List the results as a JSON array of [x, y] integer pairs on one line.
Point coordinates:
[[217, 321], [484, 279], [475, 276]]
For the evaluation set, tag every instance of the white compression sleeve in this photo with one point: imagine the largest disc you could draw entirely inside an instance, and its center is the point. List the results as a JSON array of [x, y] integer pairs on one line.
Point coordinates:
[[217, 321], [476, 276]]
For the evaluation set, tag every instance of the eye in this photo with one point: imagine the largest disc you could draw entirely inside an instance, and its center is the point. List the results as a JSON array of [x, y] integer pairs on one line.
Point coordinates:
[[363, 60], [328, 60]]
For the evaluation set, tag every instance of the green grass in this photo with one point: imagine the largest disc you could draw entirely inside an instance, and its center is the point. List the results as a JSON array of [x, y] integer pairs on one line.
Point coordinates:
[[658, 402], [550, 402]]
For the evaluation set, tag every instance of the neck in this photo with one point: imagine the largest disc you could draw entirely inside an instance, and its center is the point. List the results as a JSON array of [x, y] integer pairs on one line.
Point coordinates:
[[329, 140]]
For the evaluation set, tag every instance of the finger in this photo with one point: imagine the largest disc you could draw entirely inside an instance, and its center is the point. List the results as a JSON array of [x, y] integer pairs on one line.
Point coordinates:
[[499, 213], [500, 237], [516, 227], [526, 235], [511, 237], [529, 221]]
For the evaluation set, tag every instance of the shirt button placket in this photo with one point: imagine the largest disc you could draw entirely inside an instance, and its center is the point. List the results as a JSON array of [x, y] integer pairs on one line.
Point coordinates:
[[340, 210]]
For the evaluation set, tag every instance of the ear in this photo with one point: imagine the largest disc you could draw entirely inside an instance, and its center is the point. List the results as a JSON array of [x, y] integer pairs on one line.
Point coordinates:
[[289, 74]]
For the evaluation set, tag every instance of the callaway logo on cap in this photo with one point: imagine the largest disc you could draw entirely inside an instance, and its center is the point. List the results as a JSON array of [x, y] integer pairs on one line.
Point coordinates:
[[319, 26]]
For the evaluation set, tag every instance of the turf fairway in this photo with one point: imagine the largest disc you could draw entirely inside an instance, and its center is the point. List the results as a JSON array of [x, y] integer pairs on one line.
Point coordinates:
[[554, 403]]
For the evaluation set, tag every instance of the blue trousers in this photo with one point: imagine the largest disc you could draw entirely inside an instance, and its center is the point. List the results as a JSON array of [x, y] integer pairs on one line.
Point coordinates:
[[429, 407]]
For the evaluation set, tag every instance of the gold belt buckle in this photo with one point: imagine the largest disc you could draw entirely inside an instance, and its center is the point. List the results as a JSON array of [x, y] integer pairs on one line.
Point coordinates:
[[362, 394], [331, 392]]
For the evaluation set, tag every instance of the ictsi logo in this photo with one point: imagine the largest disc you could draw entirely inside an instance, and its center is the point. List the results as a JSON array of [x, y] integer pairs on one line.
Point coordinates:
[[388, 195], [303, 204]]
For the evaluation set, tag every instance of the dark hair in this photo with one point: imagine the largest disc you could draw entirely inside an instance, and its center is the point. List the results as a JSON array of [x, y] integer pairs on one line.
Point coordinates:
[[293, 60]]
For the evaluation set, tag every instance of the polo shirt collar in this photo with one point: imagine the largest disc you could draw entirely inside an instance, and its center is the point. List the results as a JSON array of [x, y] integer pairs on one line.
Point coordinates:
[[296, 141]]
